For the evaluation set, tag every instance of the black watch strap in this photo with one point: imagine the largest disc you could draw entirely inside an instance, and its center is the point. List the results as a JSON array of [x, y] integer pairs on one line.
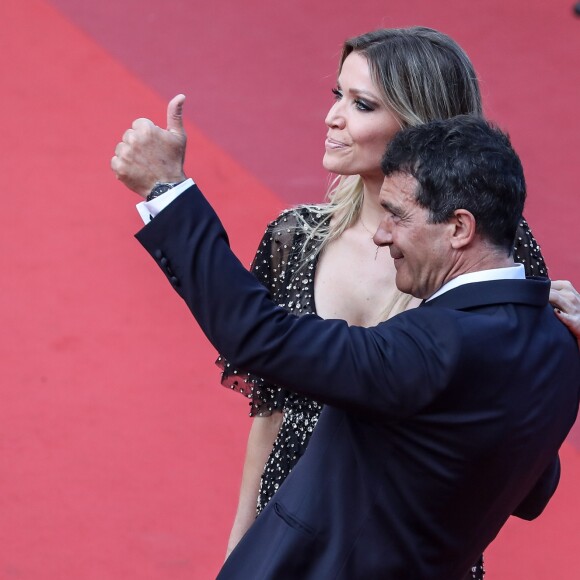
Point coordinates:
[[160, 189]]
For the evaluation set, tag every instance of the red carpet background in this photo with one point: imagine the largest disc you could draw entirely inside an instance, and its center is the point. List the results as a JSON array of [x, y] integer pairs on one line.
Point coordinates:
[[120, 454]]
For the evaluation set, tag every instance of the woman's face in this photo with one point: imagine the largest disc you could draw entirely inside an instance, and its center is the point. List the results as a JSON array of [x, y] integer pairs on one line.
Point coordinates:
[[359, 124]]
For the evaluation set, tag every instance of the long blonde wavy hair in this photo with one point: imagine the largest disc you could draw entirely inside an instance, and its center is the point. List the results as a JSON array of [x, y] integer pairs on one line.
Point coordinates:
[[423, 75]]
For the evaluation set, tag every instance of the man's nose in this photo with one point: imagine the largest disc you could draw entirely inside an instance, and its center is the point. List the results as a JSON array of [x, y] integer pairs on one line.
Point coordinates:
[[383, 236]]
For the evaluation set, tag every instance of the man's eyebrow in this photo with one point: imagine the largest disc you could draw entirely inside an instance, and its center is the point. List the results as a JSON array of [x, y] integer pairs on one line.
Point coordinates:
[[389, 207]]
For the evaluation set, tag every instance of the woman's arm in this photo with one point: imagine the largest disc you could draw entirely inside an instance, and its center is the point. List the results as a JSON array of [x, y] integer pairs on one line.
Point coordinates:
[[266, 400], [263, 433]]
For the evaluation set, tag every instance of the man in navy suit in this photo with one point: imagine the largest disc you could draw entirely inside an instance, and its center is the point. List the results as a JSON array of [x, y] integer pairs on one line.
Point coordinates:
[[438, 424]]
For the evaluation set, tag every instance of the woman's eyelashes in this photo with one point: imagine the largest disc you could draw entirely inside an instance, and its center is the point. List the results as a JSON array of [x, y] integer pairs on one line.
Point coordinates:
[[360, 104], [363, 105]]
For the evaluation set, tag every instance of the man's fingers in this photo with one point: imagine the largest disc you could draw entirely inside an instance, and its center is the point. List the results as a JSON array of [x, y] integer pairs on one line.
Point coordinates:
[[142, 123], [175, 115], [128, 136], [115, 166], [120, 149], [118, 168]]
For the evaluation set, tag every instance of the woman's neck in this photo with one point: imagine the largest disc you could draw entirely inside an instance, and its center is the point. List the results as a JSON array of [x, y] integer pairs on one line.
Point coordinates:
[[371, 210]]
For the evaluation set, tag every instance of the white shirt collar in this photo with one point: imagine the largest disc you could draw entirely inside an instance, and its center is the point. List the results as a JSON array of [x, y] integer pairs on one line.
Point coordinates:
[[516, 272]]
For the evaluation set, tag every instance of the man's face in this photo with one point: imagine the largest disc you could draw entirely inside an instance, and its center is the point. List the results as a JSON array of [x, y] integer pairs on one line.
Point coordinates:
[[421, 250]]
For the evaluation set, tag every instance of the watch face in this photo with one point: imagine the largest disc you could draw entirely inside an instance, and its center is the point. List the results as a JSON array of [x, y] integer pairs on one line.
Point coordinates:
[[160, 189]]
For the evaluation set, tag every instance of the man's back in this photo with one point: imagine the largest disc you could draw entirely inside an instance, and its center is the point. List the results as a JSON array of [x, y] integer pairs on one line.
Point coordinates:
[[421, 495]]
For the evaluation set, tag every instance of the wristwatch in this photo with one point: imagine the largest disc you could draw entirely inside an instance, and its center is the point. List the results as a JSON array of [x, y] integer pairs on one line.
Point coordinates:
[[160, 188]]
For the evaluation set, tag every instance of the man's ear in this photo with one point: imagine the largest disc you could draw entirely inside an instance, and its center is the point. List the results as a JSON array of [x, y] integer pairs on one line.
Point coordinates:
[[463, 231]]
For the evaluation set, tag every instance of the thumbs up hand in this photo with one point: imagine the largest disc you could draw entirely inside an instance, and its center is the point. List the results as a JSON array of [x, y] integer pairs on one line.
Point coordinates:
[[149, 154]]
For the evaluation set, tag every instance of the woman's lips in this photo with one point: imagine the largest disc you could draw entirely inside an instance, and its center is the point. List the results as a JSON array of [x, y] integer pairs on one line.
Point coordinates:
[[332, 144]]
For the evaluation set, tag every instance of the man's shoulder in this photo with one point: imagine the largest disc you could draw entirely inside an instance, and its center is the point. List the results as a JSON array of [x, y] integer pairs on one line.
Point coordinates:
[[477, 295], [462, 310]]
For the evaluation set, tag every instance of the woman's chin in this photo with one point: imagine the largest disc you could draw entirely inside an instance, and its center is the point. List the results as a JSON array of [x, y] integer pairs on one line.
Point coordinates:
[[328, 164], [332, 166]]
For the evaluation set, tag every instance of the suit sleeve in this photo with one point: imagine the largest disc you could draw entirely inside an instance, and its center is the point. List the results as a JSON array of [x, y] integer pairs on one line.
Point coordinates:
[[537, 499], [271, 256], [392, 370]]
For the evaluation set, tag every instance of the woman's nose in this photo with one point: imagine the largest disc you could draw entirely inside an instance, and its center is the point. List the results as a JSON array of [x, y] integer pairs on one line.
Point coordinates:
[[335, 118]]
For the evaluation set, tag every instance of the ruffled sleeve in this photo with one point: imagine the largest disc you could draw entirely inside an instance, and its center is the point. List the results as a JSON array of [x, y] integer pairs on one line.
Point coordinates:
[[271, 268], [527, 252]]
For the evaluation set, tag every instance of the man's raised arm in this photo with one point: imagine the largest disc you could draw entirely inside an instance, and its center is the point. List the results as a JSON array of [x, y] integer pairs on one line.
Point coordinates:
[[351, 367]]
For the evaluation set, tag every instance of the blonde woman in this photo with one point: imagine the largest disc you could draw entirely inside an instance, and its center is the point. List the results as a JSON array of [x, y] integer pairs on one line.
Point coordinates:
[[322, 258]]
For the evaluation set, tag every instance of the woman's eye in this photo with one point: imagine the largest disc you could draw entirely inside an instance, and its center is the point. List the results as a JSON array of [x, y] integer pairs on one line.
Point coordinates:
[[362, 106], [359, 104]]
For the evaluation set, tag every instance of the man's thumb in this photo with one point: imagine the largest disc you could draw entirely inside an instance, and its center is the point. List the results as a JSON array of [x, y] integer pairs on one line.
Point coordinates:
[[175, 115]]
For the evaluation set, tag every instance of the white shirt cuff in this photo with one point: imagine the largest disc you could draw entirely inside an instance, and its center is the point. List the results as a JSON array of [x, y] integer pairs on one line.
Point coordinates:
[[149, 209]]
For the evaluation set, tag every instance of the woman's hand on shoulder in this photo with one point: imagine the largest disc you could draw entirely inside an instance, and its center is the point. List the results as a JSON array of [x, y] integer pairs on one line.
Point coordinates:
[[566, 302]]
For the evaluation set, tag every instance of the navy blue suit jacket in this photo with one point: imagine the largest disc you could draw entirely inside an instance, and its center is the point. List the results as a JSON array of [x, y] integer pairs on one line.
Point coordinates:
[[438, 424]]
